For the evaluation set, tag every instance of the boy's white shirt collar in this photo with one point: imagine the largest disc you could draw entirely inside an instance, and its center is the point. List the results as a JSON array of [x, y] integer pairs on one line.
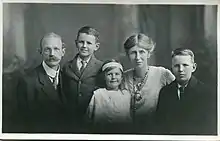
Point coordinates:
[[178, 91], [51, 72], [79, 64], [178, 85]]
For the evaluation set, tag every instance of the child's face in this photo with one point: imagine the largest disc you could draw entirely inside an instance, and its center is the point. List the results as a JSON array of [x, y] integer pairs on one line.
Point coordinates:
[[86, 45], [183, 67], [113, 78]]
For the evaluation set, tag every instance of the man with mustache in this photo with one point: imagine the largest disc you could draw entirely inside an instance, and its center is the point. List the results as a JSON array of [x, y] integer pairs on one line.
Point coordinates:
[[186, 106], [41, 101]]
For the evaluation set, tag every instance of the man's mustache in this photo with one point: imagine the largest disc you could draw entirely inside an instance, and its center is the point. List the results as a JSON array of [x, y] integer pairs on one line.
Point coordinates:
[[53, 58]]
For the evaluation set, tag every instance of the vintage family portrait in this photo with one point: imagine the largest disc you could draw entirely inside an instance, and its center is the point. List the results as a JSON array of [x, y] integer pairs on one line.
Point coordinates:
[[133, 69]]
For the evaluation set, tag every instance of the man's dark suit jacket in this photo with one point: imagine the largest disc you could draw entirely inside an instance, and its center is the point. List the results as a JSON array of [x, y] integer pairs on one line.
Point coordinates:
[[79, 87], [41, 107], [194, 114]]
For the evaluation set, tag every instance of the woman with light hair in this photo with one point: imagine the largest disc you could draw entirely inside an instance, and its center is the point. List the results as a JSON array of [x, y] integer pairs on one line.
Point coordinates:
[[144, 81]]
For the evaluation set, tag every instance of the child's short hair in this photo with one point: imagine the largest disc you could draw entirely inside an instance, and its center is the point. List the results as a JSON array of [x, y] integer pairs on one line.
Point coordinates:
[[90, 31], [141, 40], [184, 52]]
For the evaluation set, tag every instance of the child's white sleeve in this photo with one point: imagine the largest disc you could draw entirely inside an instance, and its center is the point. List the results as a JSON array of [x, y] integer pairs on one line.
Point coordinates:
[[91, 108]]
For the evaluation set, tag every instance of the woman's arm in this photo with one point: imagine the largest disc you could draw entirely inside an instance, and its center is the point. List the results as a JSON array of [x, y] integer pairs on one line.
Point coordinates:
[[167, 77]]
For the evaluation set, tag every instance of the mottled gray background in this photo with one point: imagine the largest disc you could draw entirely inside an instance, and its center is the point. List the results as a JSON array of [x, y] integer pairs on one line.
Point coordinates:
[[171, 26]]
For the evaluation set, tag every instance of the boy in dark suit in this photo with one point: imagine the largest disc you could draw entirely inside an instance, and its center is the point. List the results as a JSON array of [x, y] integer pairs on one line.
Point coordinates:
[[185, 106], [40, 98], [81, 74]]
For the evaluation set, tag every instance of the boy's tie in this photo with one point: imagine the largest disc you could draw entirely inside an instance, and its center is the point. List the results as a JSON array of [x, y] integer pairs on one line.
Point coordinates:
[[181, 89], [83, 66]]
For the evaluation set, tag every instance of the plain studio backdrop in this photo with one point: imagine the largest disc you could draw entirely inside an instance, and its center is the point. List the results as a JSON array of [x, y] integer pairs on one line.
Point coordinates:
[[170, 26]]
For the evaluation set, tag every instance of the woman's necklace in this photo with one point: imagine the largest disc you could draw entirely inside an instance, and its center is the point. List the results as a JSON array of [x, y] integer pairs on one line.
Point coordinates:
[[139, 85]]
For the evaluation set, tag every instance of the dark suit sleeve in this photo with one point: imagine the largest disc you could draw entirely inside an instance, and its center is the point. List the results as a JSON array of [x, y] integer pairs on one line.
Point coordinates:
[[160, 116], [22, 104], [22, 95], [100, 81], [209, 110]]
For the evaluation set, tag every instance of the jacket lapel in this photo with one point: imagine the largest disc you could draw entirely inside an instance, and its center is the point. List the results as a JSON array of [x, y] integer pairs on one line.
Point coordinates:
[[46, 85], [72, 70], [88, 71], [174, 90], [190, 90], [61, 94]]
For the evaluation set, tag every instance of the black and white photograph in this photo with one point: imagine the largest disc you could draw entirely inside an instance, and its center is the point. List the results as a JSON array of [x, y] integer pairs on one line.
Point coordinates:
[[109, 69]]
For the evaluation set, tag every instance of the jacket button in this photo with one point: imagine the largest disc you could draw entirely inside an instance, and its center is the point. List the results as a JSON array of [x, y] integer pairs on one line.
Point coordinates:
[[80, 94]]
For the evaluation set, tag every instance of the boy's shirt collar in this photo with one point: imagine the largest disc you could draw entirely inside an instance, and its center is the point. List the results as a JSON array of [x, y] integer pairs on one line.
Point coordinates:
[[178, 85], [79, 61]]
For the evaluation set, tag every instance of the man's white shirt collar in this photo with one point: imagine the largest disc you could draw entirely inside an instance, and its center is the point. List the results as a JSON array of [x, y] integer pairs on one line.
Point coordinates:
[[51, 72]]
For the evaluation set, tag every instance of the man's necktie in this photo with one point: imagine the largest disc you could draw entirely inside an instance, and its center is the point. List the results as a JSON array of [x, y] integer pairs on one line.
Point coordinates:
[[54, 81], [83, 66], [181, 89]]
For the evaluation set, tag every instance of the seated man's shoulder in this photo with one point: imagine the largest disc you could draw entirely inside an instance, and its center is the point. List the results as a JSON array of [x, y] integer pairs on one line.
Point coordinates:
[[28, 77], [31, 72]]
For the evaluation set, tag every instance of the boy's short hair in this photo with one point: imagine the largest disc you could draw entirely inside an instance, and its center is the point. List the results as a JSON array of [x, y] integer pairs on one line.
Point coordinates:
[[90, 31], [184, 52]]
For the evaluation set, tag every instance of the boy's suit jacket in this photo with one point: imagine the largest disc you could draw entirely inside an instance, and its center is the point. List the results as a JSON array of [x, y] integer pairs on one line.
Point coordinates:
[[41, 105], [194, 114], [79, 87]]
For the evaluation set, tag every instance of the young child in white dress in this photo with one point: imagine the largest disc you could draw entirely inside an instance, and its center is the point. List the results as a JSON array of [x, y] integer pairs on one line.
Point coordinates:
[[109, 108]]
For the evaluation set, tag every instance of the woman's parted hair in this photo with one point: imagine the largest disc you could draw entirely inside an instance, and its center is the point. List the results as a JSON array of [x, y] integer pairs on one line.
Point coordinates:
[[141, 40]]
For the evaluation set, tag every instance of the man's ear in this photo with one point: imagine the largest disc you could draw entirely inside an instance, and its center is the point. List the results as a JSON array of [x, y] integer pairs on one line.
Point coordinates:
[[194, 67], [39, 50], [63, 51], [97, 46]]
